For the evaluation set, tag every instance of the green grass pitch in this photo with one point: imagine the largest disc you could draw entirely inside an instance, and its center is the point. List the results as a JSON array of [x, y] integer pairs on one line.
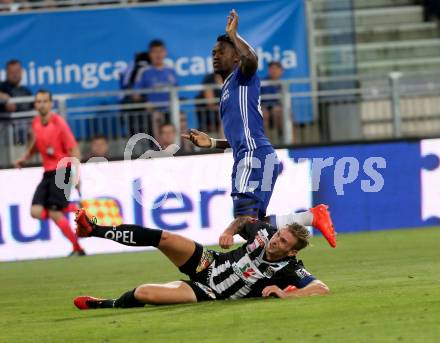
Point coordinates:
[[385, 287]]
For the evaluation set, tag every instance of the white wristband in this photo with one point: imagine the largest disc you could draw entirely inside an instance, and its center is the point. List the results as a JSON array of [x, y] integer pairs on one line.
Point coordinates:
[[213, 143]]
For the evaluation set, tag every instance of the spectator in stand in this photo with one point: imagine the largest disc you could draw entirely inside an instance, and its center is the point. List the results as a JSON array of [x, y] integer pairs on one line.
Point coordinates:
[[98, 148], [134, 118], [154, 76], [167, 135], [272, 109], [207, 114], [11, 88], [130, 75]]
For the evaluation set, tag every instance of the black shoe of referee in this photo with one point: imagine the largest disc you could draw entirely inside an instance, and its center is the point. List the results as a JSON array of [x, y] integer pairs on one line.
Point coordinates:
[[77, 253]]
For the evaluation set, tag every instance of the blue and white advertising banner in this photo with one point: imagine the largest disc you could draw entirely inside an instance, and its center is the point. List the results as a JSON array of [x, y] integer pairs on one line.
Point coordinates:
[[377, 186], [85, 50], [188, 195]]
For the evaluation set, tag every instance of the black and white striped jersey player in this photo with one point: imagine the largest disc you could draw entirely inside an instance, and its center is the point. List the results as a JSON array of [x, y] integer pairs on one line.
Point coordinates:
[[246, 271], [265, 265]]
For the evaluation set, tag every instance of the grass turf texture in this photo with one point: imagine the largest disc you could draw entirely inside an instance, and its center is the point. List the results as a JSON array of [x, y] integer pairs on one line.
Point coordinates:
[[385, 288]]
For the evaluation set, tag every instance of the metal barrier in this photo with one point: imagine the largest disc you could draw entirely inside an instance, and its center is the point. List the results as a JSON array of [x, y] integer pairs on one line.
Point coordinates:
[[397, 105]]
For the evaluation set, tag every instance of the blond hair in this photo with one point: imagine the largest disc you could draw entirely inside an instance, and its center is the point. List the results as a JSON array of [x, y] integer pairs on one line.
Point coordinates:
[[302, 235]]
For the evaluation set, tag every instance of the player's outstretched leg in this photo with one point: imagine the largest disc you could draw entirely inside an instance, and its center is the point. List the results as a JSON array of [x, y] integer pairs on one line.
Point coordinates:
[[177, 248], [177, 292], [318, 217]]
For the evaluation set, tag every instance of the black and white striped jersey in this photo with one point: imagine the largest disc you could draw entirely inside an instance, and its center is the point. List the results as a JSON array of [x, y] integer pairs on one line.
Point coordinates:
[[244, 272]]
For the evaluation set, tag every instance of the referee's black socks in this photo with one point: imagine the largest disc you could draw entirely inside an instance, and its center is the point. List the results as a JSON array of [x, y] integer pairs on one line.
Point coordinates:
[[132, 235]]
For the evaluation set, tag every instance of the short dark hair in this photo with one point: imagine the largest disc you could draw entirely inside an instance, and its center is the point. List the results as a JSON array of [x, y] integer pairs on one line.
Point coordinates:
[[275, 63], [302, 235], [12, 62], [44, 91], [155, 43], [225, 38]]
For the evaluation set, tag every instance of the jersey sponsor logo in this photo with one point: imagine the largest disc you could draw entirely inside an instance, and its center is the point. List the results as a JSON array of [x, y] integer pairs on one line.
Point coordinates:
[[302, 273], [247, 270], [120, 236]]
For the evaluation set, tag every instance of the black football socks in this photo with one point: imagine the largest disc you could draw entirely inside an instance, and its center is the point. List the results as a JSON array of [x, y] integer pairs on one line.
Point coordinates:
[[131, 235], [126, 300]]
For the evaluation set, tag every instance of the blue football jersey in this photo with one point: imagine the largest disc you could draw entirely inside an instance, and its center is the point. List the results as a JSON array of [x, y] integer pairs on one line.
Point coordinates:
[[151, 77], [241, 113]]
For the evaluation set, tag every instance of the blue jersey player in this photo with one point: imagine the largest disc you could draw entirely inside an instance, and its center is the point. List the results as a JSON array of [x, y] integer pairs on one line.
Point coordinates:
[[256, 165]]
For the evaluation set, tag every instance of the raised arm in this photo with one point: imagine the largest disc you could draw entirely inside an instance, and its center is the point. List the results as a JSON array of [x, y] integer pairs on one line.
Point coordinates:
[[248, 57]]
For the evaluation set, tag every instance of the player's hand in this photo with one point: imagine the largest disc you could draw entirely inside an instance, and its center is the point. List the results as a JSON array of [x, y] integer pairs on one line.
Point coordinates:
[[273, 291], [19, 163], [198, 138], [226, 240], [232, 24]]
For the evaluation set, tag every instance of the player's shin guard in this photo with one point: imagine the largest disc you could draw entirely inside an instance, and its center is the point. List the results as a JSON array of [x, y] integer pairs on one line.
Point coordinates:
[[131, 235]]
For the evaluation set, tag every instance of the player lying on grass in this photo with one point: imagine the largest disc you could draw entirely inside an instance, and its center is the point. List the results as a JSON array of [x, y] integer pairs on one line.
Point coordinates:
[[265, 265]]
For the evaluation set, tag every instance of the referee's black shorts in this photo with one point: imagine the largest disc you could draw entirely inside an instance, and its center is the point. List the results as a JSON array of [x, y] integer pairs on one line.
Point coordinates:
[[49, 195], [198, 270]]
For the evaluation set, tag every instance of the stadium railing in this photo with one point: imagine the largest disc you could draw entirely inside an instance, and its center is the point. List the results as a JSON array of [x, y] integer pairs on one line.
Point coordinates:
[[382, 107]]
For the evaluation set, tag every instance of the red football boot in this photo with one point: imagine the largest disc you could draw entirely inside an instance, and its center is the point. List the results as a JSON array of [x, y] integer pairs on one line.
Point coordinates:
[[323, 222], [84, 225], [86, 302]]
